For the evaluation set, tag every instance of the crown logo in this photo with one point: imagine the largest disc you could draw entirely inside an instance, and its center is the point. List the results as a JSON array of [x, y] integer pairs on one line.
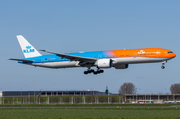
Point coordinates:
[[141, 52], [28, 47]]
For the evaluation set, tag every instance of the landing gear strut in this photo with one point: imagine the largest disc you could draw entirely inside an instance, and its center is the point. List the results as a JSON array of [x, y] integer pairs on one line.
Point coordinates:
[[163, 63], [94, 72]]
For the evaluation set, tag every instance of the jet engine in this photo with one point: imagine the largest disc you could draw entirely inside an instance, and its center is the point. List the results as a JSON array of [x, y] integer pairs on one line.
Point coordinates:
[[121, 66], [104, 63]]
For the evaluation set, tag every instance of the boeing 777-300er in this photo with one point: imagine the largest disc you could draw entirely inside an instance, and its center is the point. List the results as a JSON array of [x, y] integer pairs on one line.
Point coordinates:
[[119, 59]]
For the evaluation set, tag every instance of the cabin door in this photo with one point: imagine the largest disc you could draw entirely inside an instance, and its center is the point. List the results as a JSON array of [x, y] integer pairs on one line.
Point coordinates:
[[135, 54], [158, 53]]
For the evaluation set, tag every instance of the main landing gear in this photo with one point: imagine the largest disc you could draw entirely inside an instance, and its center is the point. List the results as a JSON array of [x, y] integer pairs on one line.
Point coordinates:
[[163, 63], [94, 72]]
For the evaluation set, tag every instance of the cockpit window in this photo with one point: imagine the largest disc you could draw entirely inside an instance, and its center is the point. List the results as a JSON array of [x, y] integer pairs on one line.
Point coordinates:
[[170, 52]]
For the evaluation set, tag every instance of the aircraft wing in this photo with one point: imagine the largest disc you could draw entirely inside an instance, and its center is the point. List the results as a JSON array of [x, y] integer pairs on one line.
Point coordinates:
[[21, 60], [73, 58]]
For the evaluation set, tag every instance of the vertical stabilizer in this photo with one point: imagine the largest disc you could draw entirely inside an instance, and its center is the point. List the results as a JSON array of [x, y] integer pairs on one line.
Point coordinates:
[[27, 49]]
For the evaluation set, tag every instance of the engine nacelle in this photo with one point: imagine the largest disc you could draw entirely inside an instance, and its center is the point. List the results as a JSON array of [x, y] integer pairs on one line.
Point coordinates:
[[104, 63], [121, 66]]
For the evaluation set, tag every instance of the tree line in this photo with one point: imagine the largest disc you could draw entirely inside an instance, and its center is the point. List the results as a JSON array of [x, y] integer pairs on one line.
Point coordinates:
[[129, 88]]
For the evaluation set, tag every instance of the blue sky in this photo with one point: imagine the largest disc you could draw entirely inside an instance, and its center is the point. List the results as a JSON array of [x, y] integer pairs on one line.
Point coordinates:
[[82, 25]]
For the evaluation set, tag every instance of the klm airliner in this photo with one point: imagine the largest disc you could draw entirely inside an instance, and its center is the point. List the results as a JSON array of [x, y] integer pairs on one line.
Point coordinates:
[[119, 59]]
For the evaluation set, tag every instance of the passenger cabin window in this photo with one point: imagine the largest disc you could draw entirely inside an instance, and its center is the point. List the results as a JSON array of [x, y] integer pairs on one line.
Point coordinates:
[[170, 52]]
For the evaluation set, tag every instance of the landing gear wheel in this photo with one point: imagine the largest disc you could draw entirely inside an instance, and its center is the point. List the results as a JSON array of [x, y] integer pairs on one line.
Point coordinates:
[[92, 70], [98, 72], [163, 67], [89, 70], [101, 71], [95, 73], [85, 72]]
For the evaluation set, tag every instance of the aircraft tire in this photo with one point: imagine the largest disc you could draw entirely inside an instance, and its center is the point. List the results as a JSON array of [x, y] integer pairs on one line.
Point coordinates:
[[95, 73], [98, 72], [92, 70], [85, 72], [101, 71], [163, 67]]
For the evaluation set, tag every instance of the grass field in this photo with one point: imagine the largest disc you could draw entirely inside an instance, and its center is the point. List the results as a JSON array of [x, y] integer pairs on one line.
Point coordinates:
[[167, 113], [77, 105]]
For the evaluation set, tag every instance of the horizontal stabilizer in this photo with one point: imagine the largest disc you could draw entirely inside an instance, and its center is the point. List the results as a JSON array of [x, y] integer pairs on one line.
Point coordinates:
[[21, 60]]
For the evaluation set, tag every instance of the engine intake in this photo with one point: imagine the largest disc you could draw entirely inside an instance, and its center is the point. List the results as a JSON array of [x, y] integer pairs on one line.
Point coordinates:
[[104, 63]]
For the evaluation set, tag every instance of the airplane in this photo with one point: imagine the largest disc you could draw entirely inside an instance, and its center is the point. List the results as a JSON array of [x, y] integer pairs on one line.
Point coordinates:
[[119, 59]]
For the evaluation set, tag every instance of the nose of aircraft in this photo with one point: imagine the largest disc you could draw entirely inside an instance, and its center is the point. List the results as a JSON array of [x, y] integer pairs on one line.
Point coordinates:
[[174, 55]]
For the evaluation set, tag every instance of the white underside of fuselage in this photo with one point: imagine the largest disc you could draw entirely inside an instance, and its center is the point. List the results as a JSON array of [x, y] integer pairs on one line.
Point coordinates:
[[127, 60]]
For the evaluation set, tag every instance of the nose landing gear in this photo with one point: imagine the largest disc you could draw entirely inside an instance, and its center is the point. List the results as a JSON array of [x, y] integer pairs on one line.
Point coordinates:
[[163, 67], [163, 63]]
